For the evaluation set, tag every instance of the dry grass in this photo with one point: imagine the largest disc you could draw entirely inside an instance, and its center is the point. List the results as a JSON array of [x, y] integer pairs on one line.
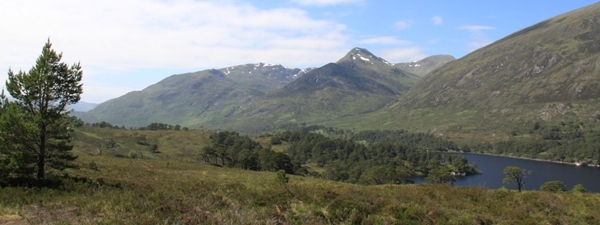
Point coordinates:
[[179, 190], [136, 191]]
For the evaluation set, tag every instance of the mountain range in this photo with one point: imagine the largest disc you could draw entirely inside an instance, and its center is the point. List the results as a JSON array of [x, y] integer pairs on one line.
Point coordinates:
[[194, 98], [260, 97], [357, 84], [545, 72]]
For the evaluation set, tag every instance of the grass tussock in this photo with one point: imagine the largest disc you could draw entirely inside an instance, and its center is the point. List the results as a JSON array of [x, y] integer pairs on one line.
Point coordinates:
[[150, 191]]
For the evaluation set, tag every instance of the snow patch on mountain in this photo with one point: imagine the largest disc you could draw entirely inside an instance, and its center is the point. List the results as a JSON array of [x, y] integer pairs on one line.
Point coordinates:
[[363, 58]]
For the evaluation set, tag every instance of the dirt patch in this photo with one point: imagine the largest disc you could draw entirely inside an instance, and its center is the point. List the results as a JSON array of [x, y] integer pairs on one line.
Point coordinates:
[[12, 220]]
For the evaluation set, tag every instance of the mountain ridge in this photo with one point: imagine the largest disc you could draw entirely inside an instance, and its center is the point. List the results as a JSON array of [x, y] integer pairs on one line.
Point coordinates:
[[191, 97], [230, 96], [426, 65], [358, 83], [548, 57]]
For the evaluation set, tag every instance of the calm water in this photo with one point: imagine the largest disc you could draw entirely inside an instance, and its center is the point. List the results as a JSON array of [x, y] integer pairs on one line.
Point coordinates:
[[492, 168]]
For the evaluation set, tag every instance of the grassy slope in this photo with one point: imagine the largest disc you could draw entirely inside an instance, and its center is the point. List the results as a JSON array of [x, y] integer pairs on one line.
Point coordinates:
[[175, 189], [171, 144]]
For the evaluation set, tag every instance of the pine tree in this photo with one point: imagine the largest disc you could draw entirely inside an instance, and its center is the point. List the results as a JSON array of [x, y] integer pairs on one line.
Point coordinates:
[[516, 176], [35, 124]]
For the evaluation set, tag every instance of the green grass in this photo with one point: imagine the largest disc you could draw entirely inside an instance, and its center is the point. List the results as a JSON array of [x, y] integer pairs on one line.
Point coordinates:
[[135, 191], [175, 188], [466, 113], [170, 143]]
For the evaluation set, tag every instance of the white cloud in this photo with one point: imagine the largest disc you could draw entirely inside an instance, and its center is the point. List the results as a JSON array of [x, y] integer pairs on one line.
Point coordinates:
[[478, 43], [476, 27], [384, 40], [403, 24], [93, 92], [403, 54], [113, 39], [437, 20], [325, 2], [478, 37], [393, 49]]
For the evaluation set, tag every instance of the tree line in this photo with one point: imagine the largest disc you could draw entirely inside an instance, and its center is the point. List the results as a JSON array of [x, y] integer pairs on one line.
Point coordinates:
[[564, 142], [231, 149], [412, 139], [517, 176], [151, 126], [372, 163]]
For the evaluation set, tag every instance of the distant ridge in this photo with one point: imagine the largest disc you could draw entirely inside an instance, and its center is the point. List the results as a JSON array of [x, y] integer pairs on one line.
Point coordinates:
[[83, 106], [261, 97], [273, 76], [358, 83], [426, 65], [194, 98]]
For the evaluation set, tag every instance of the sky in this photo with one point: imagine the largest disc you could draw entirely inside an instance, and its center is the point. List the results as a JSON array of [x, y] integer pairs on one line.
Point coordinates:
[[128, 45]]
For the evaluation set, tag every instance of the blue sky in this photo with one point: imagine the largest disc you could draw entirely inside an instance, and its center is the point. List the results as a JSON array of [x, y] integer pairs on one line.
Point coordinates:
[[128, 45]]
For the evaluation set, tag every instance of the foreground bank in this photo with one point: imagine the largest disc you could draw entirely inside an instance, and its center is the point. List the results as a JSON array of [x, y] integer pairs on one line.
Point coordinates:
[[136, 191]]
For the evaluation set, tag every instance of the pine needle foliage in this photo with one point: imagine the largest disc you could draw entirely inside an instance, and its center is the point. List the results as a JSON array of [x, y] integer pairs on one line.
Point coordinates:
[[35, 137]]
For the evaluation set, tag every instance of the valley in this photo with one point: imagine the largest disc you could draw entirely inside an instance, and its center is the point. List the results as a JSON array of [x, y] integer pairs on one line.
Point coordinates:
[[531, 94], [527, 77], [360, 140]]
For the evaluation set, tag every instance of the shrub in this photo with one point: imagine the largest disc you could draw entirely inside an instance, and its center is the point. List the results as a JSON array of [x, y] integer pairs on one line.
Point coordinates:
[[133, 154], [92, 165], [281, 177], [579, 188], [153, 148], [553, 186], [275, 140]]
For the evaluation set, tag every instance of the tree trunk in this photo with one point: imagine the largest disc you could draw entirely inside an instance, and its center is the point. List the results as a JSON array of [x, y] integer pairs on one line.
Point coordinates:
[[41, 157]]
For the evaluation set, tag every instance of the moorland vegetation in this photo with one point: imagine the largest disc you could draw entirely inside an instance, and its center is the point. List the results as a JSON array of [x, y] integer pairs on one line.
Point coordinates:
[[175, 185]]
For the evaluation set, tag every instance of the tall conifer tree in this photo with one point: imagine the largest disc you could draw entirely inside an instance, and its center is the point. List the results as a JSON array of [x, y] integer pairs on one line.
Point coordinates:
[[35, 125]]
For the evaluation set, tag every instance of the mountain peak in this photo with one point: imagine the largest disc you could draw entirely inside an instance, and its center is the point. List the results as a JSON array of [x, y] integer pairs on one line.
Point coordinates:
[[359, 50], [362, 55]]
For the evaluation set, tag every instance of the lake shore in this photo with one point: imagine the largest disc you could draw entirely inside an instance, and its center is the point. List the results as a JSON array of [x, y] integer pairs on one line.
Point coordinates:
[[526, 158], [492, 176]]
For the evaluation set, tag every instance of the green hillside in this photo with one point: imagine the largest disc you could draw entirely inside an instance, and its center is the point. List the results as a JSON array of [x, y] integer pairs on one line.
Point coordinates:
[[547, 72], [553, 61], [180, 99], [193, 98]]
